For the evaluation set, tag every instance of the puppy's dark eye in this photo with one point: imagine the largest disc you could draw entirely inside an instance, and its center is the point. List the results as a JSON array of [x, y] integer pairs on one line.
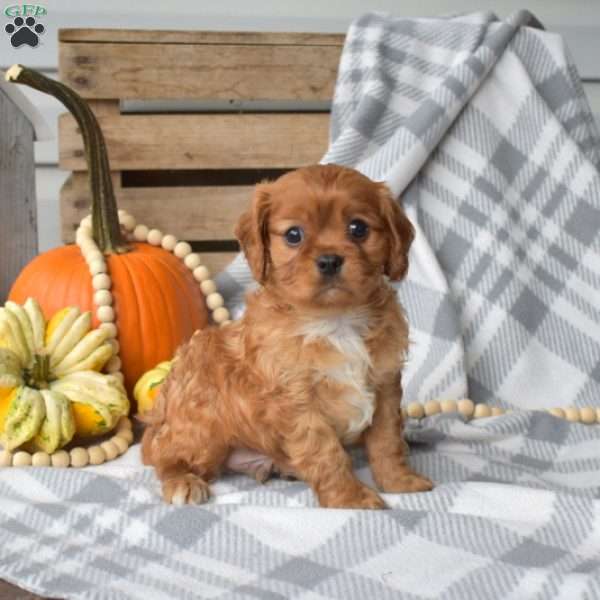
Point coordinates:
[[294, 236], [358, 229]]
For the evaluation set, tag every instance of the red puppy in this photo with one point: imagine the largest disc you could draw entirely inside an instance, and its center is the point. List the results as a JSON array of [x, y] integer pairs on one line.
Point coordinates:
[[315, 362]]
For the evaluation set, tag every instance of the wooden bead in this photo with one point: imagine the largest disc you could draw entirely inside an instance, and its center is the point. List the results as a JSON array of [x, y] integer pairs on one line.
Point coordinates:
[[208, 286], [21, 459], [6, 458], [85, 228], [140, 233], [220, 314], [155, 237], [432, 407], [482, 411], [572, 414], [103, 298], [83, 235], [497, 411], [110, 327], [182, 249], [588, 415], [415, 410], [559, 413], [86, 246], [169, 242], [129, 222], [126, 434], [120, 443], [119, 376], [448, 406], [466, 407], [105, 314], [97, 267], [96, 455], [114, 365], [41, 459], [93, 255], [114, 344], [225, 323], [79, 457], [201, 273], [101, 282], [214, 300], [60, 458], [192, 261], [110, 449]]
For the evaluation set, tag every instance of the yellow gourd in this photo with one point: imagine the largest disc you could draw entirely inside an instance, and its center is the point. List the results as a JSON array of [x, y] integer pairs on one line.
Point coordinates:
[[51, 388], [148, 385]]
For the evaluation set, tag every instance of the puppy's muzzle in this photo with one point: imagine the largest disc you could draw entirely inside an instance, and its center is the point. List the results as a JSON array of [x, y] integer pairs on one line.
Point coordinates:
[[329, 264]]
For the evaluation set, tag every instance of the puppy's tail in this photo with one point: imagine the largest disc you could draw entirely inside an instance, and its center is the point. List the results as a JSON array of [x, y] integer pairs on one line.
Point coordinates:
[[153, 421]]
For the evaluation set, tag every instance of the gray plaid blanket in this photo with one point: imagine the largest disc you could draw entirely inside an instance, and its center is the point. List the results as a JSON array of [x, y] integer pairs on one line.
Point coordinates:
[[514, 515], [482, 127]]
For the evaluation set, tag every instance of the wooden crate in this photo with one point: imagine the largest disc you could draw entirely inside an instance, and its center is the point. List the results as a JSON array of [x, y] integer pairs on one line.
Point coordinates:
[[259, 106]]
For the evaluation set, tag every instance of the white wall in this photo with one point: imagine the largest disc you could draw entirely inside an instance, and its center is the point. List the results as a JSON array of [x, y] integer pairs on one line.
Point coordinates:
[[577, 20]]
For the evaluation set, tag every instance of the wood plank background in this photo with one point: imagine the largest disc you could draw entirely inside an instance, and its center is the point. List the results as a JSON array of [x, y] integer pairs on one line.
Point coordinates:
[[241, 70], [18, 222], [203, 141], [213, 214], [578, 21]]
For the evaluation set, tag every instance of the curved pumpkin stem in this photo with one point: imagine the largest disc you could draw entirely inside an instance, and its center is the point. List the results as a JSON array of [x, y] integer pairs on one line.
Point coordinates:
[[105, 218]]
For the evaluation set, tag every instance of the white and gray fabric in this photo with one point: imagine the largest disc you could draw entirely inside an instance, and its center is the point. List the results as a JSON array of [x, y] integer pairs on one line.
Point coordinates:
[[515, 515], [482, 128]]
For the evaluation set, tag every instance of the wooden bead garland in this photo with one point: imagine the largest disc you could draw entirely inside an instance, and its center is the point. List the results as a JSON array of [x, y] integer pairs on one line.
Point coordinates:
[[415, 410], [76, 457], [183, 250]]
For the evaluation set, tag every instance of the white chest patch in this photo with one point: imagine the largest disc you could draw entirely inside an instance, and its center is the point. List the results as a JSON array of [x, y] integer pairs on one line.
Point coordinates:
[[345, 334]]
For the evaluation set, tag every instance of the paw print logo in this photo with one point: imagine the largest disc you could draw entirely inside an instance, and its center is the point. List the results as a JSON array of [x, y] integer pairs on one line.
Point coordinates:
[[24, 31]]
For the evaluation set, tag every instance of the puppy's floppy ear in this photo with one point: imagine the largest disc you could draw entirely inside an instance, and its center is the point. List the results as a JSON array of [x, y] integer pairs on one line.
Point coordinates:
[[400, 234], [252, 231]]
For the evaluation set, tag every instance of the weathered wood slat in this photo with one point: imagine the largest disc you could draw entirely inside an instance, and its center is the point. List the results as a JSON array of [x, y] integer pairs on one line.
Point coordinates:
[[200, 71], [193, 214], [104, 108], [152, 36], [190, 213], [18, 210], [219, 141]]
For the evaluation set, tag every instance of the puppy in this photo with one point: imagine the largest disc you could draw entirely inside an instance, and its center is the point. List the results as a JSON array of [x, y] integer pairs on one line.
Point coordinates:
[[315, 362]]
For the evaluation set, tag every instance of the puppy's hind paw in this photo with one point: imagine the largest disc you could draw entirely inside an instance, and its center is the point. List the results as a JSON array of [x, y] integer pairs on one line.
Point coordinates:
[[185, 489]]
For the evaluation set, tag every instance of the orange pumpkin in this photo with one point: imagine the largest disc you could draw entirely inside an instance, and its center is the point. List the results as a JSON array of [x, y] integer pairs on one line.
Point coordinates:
[[157, 302]]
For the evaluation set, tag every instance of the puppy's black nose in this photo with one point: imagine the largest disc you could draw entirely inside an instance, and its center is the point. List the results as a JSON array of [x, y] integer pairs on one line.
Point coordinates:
[[330, 264]]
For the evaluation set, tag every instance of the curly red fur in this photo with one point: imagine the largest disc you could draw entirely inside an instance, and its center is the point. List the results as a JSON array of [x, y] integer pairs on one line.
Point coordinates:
[[315, 362]]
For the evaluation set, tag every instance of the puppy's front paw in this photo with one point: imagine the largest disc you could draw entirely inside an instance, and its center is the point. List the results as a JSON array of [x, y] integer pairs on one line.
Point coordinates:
[[360, 496], [185, 489], [405, 481]]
